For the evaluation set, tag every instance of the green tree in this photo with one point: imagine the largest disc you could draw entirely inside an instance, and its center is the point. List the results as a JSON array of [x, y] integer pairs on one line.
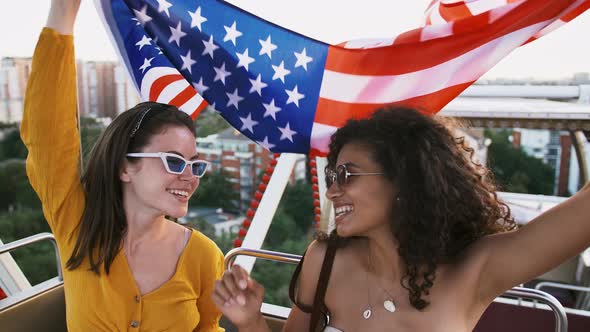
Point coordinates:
[[215, 190], [89, 135], [4, 125], [283, 236], [515, 171], [15, 190], [203, 226], [37, 261], [225, 241], [297, 202], [209, 122], [11, 146], [290, 231]]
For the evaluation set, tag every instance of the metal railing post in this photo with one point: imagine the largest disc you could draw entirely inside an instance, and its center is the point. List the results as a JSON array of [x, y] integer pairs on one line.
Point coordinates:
[[32, 239]]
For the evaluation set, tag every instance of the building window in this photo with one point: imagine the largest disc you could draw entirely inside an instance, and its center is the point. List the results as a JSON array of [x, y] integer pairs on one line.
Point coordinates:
[[245, 172]]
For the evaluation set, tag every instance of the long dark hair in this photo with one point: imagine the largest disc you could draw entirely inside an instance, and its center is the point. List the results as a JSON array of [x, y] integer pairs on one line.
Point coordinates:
[[446, 200], [103, 224]]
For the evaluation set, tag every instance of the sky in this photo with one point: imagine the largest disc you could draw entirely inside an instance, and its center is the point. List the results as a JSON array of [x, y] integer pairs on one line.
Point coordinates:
[[557, 55]]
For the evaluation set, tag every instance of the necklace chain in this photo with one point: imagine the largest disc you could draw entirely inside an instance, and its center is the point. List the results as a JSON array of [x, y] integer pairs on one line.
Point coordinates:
[[388, 304]]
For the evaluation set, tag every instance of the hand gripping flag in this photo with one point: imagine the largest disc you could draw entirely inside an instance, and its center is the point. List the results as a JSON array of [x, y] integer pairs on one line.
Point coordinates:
[[288, 92]]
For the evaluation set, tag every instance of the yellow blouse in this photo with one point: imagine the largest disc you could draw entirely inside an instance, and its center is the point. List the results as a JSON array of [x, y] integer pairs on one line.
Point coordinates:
[[107, 302]]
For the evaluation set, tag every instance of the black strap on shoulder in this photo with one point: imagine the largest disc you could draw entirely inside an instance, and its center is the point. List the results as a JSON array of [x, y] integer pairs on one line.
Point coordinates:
[[293, 284], [318, 309]]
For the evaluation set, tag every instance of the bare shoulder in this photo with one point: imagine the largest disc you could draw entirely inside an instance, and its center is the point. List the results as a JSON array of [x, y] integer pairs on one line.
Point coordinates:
[[197, 246], [345, 256], [310, 272], [314, 257]]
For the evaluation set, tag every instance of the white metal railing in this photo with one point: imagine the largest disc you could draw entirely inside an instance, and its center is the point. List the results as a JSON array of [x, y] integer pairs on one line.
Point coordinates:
[[33, 239], [45, 286], [583, 304], [550, 284]]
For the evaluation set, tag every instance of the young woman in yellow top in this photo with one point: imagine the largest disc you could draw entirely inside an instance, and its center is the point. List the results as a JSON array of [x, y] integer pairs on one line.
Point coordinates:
[[126, 267]]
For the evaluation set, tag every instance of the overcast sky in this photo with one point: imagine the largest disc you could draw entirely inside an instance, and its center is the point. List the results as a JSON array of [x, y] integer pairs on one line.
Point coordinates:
[[558, 55]]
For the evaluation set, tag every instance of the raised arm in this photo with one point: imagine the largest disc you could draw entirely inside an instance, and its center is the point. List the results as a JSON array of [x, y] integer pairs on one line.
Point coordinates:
[[547, 241], [62, 16], [49, 126]]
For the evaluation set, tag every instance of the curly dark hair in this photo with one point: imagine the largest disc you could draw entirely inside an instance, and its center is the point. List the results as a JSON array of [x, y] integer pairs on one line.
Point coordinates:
[[446, 200]]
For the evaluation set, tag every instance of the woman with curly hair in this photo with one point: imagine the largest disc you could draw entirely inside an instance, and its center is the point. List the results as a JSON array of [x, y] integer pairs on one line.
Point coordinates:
[[422, 242]]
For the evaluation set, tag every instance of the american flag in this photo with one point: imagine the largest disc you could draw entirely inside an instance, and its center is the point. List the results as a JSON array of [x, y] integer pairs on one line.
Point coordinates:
[[288, 92]]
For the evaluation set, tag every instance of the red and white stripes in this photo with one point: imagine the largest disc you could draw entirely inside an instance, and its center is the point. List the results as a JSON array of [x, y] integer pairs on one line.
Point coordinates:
[[426, 68], [166, 85]]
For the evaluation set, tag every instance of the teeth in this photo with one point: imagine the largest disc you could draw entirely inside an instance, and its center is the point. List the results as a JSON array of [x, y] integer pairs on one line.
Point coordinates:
[[178, 192], [343, 210]]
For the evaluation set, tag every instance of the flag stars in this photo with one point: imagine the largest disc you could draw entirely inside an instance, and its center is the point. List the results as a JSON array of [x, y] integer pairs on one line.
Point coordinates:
[[187, 62], [244, 59], [210, 47], [146, 64], [143, 42], [265, 144], [156, 46], [231, 33], [271, 109], [176, 34], [280, 72], [163, 6], [302, 59], [213, 107], [221, 73], [234, 99], [142, 15], [257, 85], [197, 19], [267, 47], [200, 87], [294, 96], [287, 133], [248, 123]]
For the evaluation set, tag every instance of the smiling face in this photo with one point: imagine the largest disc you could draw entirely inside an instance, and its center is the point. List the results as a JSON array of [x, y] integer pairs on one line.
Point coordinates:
[[147, 186], [364, 204]]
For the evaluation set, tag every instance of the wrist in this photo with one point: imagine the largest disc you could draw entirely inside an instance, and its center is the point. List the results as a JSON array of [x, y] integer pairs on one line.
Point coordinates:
[[62, 16], [257, 324]]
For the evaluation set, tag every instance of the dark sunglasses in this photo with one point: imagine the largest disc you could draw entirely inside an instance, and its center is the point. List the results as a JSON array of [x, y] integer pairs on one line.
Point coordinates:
[[175, 164], [341, 175]]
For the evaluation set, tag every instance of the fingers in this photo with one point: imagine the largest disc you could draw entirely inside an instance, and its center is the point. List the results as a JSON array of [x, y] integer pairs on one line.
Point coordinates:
[[221, 292], [230, 282], [241, 277], [217, 297], [256, 288], [232, 287]]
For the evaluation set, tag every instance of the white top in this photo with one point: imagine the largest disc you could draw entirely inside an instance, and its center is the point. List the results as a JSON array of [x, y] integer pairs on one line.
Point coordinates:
[[331, 329]]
